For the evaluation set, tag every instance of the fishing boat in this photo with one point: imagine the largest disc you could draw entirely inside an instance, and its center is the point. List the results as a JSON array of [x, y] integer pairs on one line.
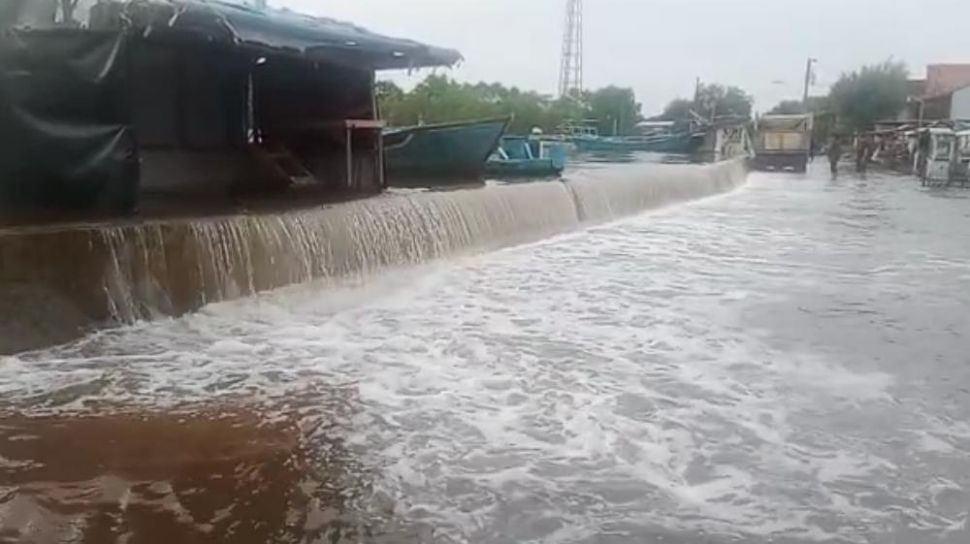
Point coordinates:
[[441, 154], [518, 156], [607, 144], [667, 143]]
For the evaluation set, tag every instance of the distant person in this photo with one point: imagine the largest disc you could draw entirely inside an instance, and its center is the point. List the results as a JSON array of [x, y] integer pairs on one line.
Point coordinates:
[[872, 150], [923, 154], [835, 153], [863, 154], [812, 149]]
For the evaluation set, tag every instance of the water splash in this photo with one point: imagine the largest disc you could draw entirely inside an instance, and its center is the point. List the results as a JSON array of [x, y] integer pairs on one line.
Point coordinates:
[[174, 267]]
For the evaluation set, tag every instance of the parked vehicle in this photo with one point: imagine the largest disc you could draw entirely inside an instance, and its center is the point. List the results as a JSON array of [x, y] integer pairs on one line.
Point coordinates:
[[783, 142], [961, 170], [941, 156]]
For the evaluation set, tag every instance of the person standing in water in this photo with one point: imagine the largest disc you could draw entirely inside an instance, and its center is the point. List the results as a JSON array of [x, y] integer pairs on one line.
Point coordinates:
[[835, 153], [865, 147]]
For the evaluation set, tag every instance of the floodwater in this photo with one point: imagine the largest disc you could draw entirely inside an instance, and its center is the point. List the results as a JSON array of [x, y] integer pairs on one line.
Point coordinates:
[[787, 363]]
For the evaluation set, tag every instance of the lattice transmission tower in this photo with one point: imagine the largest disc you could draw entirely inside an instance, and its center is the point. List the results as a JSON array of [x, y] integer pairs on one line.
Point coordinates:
[[571, 66]]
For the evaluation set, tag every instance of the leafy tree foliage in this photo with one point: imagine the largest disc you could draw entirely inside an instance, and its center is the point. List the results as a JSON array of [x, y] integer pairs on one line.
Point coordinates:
[[716, 99], [788, 107], [440, 99], [869, 94], [615, 109], [677, 109], [712, 100]]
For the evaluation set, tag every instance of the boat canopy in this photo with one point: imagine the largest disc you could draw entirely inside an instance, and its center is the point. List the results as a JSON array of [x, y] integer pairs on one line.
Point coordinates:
[[271, 30]]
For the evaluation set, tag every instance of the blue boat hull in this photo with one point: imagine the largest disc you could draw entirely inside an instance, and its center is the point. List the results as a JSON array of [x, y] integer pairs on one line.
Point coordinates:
[[519, 157], [678, 143], [445, 154], [514, 168]]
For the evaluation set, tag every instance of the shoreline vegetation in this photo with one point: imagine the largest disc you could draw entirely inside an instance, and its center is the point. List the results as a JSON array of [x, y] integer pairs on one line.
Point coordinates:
[[854, 103]]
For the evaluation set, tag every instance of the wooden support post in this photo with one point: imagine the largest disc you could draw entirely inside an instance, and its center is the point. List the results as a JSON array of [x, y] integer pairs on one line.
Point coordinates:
[[350, 156], [380, 161]]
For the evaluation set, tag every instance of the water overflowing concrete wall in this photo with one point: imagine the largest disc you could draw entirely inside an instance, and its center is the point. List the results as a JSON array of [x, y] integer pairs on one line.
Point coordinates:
[[626, 189], [57, 282]]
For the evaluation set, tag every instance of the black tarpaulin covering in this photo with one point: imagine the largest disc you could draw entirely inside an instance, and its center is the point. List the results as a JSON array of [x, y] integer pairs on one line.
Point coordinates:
[[64, 134], [315, 38]]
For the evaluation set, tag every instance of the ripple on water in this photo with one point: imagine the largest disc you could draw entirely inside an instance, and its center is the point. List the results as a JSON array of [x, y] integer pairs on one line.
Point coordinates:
[[706, 373]]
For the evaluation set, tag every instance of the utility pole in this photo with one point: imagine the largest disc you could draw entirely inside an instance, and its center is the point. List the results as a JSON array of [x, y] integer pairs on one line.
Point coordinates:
[[808, 80], [571, 63]]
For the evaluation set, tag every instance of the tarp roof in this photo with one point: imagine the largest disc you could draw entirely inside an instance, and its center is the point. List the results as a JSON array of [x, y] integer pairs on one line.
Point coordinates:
[[313, 37], [273, 30], [797, 122]]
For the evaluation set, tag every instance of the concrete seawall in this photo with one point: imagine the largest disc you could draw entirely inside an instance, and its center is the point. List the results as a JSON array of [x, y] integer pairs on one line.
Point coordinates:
[[58, 282]]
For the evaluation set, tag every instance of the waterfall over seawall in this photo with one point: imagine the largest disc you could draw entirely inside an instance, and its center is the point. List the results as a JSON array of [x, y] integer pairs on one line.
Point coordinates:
[[627, 189], [228, 257], [94, 275]]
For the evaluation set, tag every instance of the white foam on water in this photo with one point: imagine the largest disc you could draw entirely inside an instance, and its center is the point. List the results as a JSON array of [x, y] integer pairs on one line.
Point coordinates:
[[601, 382], [164, 268], [534, 370]]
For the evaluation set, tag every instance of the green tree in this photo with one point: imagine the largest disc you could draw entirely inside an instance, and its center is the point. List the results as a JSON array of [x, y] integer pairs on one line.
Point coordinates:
[[388, 90], [869, 94], [677, 109], [440, 99], [389, 99], [788, 107], [718, 100], [712, 100], [615, 109]]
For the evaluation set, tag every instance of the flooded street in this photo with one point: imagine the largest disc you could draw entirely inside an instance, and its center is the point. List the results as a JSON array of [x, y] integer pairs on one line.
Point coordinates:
[[785, 363]]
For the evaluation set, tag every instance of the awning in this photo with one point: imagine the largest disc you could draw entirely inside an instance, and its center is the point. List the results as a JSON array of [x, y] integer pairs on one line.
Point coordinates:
[[270, 30], [283, 30]]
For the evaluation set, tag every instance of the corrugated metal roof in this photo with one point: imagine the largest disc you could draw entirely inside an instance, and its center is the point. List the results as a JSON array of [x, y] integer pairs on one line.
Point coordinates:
[[215, 21], [313, 37]]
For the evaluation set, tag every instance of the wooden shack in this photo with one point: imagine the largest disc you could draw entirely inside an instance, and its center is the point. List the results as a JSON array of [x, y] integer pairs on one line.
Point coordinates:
[[128, 100]]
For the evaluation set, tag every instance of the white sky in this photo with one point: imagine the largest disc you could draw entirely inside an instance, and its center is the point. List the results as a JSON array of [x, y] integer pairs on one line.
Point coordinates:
[[658, 47]]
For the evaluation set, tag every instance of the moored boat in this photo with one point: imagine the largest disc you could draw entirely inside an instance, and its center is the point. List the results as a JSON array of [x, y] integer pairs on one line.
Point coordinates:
[[441, 154], [518, 156], [667, 143]]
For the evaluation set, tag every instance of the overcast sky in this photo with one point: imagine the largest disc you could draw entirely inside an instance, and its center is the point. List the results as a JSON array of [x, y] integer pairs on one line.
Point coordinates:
[[658, 47]]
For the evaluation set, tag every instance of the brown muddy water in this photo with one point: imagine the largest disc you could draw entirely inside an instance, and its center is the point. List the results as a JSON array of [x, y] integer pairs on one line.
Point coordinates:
[[785, 363]]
